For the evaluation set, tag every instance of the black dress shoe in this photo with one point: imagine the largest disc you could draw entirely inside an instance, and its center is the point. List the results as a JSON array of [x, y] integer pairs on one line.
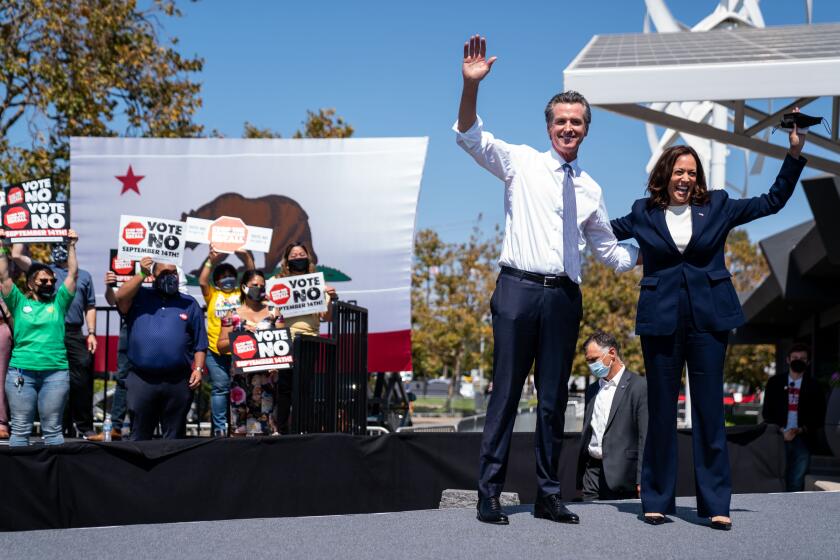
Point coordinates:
[[490, 511], [654, 519], [721, 525], [552, 507]]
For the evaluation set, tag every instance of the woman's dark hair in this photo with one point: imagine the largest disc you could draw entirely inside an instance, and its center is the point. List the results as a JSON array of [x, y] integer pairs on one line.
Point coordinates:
[[33, 272], [660, 177], [220, 270], [284, 266], [247, 276]]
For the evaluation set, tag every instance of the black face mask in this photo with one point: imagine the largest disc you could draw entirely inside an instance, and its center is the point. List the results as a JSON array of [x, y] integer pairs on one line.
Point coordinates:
[[59, 254], [299, 265], [45, 291], [255, 293], [167, 284], [798, 366]]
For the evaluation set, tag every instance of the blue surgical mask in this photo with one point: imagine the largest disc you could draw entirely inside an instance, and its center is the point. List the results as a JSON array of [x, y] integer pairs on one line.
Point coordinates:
[[228, 284], [598, 368]]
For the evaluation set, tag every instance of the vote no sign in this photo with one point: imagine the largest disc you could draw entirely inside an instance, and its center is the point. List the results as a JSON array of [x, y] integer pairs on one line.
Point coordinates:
[[298, 295], [35, 212], [139, 237]]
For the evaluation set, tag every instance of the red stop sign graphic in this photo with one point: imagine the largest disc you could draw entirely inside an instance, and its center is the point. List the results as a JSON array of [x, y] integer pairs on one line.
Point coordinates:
[[134, 233], [122, 267], [228, 234], [280, 294], [16, 218], [244, 347], [15, 196]]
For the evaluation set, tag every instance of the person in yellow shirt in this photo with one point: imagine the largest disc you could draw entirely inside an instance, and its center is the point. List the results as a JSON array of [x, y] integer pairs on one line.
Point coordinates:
[[221, 297]]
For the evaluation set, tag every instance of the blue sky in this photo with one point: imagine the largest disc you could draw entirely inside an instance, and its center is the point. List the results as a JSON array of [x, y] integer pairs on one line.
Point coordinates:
[[393, 69]]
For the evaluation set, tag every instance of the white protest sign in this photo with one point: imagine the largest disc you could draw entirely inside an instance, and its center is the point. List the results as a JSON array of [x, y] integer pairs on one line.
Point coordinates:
[[298, 295], [228, 234], [139, 237]]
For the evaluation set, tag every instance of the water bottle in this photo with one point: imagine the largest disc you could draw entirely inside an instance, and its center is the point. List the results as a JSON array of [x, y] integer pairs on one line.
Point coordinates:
[[106, 428]]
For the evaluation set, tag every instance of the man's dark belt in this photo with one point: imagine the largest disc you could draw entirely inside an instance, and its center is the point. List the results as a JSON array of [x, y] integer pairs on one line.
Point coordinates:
[[547, 280]]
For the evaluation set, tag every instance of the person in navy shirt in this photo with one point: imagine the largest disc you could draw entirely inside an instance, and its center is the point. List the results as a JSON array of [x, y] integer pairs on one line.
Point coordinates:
[[167, 346], [687, 306]]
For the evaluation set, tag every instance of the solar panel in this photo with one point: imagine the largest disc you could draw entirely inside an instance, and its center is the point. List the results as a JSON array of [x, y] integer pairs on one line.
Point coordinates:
[[739, 45]]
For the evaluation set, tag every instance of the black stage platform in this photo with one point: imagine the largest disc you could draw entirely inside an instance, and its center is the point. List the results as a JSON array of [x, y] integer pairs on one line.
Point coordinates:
[[91, 484]]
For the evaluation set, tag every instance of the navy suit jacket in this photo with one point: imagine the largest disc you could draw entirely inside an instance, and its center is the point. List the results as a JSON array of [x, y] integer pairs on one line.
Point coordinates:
[[714, 303]]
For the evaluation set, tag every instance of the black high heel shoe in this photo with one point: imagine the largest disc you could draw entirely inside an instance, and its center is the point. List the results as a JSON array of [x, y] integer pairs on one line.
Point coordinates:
[[721, 525], [654, 519]]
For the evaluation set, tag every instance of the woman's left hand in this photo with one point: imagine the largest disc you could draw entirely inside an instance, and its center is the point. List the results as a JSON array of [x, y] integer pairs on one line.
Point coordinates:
[[331, 293], [795, 139], [72, 238]]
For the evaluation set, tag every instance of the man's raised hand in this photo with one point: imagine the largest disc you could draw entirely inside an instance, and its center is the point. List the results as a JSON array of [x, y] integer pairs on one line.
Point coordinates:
[[476, 64]]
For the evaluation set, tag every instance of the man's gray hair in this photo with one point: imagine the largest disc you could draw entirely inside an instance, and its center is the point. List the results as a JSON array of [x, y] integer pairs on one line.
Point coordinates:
[[605, 341], [570, 96]]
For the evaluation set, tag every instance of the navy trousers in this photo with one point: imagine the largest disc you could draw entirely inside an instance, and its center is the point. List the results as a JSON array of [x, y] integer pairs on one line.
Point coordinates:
[[532, 325], [158, 399], [665, 357]]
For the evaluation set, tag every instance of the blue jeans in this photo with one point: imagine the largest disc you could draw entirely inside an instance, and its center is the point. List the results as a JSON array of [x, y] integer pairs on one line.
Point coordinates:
[[44, 391], [118, 405], [798, 459], [218, 366]]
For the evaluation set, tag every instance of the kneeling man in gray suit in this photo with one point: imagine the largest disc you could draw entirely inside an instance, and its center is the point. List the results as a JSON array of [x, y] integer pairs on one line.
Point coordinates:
[[614, 424]]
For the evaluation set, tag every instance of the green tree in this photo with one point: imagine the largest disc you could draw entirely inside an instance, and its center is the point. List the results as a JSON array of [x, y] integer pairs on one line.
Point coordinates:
[[451, 288], [81, 68], [323, 124], [746, 363], [609, 304]]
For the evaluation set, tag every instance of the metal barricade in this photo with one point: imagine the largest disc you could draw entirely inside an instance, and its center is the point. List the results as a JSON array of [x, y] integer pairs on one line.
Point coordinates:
[[329, 391]]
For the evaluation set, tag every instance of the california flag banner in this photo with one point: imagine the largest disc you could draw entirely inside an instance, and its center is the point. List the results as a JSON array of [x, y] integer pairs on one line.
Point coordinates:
[[353, 201]]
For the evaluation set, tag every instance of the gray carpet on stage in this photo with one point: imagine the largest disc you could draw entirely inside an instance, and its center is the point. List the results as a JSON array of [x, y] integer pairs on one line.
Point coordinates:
[[789, 526]]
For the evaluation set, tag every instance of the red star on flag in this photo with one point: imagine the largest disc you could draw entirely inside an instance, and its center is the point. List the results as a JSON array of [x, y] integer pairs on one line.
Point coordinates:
[[130, 181]]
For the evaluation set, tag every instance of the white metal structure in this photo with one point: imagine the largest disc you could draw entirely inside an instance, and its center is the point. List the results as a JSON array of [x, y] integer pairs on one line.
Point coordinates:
[[692, 80]]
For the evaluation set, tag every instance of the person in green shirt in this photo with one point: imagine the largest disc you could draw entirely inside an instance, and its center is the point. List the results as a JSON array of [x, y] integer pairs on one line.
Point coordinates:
[[37, 379]]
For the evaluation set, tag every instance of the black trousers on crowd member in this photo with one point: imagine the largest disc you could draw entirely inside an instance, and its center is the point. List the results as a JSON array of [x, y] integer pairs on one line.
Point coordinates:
[[158, 398], [595, 485], [79, 410], [665, 357], [532, 324], [285, 381]]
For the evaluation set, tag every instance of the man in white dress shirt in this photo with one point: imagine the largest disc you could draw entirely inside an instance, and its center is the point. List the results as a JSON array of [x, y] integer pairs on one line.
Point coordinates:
[[553, 208], [614, 424]]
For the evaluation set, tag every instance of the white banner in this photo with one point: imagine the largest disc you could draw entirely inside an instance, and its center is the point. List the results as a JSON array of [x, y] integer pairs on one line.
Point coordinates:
[[353, 200]]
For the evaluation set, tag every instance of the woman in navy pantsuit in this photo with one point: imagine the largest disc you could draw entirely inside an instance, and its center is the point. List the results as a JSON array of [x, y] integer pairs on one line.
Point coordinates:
[[687, 306]]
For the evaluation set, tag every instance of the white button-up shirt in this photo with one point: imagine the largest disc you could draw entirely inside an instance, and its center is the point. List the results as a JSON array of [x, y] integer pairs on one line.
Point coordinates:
[[534, 206], [601, 413]]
